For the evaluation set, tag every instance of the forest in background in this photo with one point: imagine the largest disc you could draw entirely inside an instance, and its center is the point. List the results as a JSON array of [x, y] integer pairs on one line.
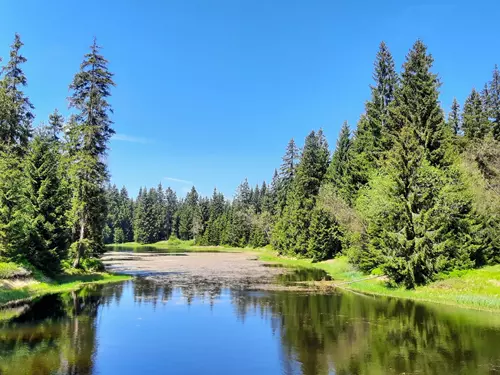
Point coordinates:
[[410, 193]]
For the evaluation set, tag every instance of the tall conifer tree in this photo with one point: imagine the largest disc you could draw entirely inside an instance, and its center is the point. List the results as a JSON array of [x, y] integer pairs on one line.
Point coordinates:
[[14, 80], [455, 118], [416, 104], [89, 133]]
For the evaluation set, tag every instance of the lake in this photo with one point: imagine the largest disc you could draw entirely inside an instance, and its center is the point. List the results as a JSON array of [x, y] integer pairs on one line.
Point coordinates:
[[143, 327]]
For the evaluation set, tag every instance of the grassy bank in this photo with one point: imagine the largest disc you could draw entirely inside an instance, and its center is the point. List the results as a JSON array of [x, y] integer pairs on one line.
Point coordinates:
[[175, 245], [15, 284], [476, 289]]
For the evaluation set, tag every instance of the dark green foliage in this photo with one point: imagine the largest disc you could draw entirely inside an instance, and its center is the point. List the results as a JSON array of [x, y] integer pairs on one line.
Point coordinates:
[[475, 119], [420, 219], [239, 227], [261, 229], [243, 196], [146, 226], [186, 215], [18, 130], [119, 227], [416, 104], [14, 207], [89, 132], [286, 174], [200, 219], [160, 212], [270, 196], [493, 103], [375, 136], [313, 165], [325, 240], [56, 124], [338, 171], [455, 118], [50, 235], [171, 206], [291, 232]]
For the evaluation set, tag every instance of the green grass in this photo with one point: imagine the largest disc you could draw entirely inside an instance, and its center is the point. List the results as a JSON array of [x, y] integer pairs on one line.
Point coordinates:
[[42, 285], [175, 244], [9, 270], [476, 289]]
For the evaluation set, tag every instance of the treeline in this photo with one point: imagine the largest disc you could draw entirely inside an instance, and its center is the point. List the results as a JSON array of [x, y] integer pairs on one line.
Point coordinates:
[[53, 177], [157, 214], [409, 193]]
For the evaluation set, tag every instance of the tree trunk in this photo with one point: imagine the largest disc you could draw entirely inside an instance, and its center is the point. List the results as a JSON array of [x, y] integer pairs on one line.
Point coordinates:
[[79, 247]]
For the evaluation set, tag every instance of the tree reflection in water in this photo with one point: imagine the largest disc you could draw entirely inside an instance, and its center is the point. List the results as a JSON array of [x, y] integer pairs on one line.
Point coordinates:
[[339, 333]]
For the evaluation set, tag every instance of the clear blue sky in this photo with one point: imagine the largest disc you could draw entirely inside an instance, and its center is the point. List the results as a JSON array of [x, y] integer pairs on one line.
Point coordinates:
[[210, 91]]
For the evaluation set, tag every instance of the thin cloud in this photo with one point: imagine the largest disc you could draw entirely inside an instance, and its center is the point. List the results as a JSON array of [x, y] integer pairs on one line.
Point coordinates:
[[179, 180], [130, 138]]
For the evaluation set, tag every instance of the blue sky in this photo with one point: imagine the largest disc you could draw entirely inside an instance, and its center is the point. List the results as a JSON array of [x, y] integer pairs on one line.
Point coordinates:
[[210, 91]]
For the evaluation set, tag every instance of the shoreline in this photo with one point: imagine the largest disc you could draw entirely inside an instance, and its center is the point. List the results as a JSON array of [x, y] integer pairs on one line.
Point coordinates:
[[33, 288], [477, 289]]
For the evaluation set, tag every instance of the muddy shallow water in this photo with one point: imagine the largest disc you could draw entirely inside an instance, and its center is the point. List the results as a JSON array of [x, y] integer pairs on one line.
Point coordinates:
[[232, 270], [200, 314]]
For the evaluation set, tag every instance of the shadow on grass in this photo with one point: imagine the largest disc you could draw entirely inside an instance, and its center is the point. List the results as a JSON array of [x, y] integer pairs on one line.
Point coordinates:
[[7, 295], [64, 279]]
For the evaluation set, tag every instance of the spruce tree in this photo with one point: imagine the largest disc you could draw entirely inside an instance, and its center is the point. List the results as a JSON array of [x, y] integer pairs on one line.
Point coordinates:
[[160, 212], [419, 218], [89, 133], [493, 103], [200, 219], [313, 164], [475, 118], [139, 216], [213, 232], [454, 118], [171, 206], [19, 131], [270, 199], [325, 240], [243, 197], [56, 124], [287, 169], [287, 173], [15, 212], [338, 172], [291, 232], [186, 214], [416, 104], [374, 136], [112, 209], [14, 207], [126, 217], [49, 236]]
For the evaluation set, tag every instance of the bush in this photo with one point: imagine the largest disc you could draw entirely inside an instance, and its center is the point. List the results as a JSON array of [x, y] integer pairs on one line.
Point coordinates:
[[92, 265]]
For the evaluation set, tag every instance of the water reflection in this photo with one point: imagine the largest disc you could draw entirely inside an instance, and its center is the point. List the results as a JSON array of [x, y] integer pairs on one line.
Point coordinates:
[[147, 327], [57, 335], [303, 275]]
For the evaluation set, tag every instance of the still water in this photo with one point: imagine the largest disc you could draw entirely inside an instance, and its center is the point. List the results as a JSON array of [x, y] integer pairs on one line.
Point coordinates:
[[142, 327]]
